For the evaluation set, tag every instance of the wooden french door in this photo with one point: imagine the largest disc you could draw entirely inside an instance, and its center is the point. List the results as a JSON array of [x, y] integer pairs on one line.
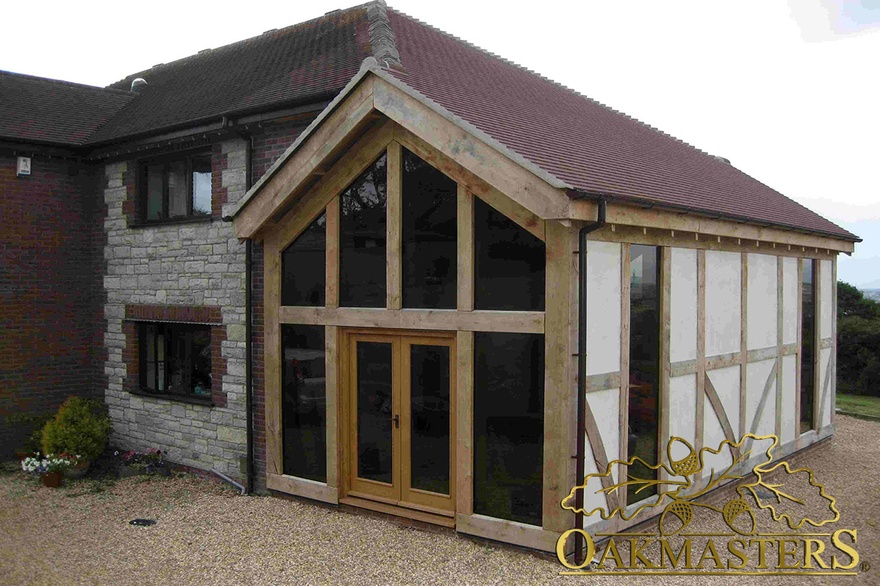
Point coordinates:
[[401, 400]]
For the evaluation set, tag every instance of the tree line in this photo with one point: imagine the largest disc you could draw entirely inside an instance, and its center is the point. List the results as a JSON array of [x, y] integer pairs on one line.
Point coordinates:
[[858, 342]]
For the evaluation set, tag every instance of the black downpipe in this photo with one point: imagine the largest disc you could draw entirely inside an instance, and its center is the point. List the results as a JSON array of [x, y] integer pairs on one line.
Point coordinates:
[[248, 328], [582, 371]]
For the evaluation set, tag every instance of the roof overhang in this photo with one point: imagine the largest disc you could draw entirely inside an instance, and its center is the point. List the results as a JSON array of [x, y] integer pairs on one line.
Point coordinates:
[[374, 94]]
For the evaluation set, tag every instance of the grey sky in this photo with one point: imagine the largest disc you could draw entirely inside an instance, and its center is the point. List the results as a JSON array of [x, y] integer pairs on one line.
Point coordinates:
[[786, 90]]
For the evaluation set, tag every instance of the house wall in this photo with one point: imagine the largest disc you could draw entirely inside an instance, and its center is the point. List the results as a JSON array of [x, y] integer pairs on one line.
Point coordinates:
[[186, 272], [730, 354], [48, 282]]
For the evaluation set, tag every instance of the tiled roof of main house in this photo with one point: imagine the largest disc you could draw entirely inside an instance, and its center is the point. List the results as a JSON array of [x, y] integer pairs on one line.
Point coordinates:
[[589, 147]]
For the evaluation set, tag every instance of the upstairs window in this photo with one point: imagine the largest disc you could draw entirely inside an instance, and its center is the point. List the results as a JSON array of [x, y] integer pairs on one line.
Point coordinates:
[[176, 188]]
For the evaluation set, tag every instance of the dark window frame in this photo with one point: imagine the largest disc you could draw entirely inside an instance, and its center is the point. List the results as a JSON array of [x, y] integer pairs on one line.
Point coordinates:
[[187, 157], [810, 348], [169, 332], [639, 401]]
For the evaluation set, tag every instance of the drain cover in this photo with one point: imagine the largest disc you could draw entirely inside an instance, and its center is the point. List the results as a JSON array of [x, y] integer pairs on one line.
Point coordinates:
[[142, 522]]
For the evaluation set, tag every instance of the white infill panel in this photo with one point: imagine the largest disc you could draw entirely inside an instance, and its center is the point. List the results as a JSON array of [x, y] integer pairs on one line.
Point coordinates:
[[790, 287], [826, 386], [726, 384], [826, 297], [683, 411], [761, 396], [723, 302], [762, 299], [605, 408], [603, 307], [683, 304], [789, 398]]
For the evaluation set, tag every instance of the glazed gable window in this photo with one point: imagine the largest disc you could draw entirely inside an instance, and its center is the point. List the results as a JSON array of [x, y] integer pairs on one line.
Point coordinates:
[[175, 359], [176, 188]]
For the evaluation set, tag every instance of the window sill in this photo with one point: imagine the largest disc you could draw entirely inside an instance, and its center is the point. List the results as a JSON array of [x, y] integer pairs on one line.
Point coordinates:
[[172, 222], [207, 402]]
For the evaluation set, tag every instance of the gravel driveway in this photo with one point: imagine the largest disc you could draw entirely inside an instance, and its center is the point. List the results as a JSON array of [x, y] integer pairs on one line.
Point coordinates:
[[207, 534]]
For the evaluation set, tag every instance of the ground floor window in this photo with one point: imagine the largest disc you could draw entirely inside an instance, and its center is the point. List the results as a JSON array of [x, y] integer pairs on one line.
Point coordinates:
[[176, 359], [304, 402], [509, 426], [644, 365], [808, 344]]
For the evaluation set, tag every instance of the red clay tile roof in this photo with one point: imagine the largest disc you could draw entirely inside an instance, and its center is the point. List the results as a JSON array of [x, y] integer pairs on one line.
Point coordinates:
[[590, 147], [35, 109], [301, 63]]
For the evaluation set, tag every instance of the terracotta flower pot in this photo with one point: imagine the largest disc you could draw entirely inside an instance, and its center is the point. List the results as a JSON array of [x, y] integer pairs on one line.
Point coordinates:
[[52, 479]]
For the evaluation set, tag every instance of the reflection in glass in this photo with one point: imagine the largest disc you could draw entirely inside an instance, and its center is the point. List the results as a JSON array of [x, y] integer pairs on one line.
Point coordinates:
[[304, 402], [374, 411], [509, 425], [429, 417], [808, 346], [201, 185], [644, 363], [508, 263], [429, 232], [362, 236], [303, 266]]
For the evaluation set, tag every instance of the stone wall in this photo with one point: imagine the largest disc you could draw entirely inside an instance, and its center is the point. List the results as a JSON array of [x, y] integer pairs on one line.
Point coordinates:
[[185, 266]]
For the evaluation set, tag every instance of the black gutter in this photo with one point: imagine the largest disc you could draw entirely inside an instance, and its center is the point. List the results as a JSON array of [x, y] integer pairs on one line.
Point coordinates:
[[582, 372], [248, 329]]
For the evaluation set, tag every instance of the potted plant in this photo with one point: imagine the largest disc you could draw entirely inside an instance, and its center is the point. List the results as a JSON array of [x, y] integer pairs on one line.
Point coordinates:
[[133, 463], [50, 467], [81, 426]]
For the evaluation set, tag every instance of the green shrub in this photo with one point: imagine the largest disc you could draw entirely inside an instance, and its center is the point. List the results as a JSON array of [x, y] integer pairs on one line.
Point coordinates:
[[81, 427]]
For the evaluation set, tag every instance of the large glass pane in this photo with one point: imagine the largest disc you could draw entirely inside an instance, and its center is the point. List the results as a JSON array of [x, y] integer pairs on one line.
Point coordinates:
[[429, 218], [303, 266], [201, 185], [509, 425], [808, 345], [362, 236], [429, 418], [644, 363], [155, 191], [178, 191], [304, 402], [374, 411], [509, 263]]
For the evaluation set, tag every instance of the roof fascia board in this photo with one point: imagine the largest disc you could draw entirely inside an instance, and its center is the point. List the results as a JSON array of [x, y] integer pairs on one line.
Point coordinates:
[[543, 195], [657, 218], [302, 159], [548, 178], [303, 137]]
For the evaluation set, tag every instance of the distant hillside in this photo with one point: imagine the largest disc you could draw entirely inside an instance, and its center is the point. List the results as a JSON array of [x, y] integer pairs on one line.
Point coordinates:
[[871, 294]]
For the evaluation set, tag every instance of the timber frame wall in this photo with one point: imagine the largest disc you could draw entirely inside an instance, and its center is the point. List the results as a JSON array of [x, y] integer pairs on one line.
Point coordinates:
[[462, 321], [730, 346], [730, 303]]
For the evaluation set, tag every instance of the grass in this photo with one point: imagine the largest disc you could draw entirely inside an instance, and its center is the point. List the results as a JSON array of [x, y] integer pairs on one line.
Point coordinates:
[[859, 404]]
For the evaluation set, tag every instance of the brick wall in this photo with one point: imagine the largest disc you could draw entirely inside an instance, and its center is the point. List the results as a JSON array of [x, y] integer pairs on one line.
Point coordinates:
[[48, 290]]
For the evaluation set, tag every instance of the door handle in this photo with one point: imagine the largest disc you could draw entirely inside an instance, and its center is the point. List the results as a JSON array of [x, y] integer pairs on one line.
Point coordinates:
[[396, 420]]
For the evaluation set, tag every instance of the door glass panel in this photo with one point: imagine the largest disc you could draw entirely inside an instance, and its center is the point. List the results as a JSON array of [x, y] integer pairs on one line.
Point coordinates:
[[374, 411], [509, 425], [429, 232], [362, 235], [304, 402], [429, 418]]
